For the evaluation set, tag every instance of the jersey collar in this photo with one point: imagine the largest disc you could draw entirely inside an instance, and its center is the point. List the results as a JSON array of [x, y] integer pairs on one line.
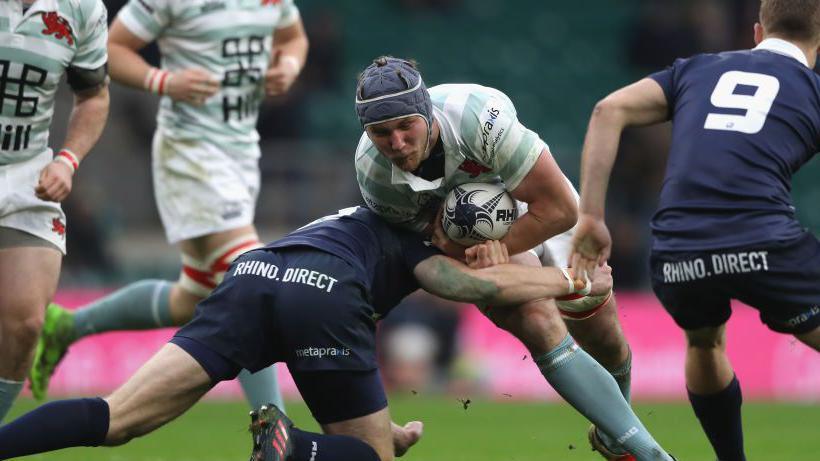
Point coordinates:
[[784, 47]]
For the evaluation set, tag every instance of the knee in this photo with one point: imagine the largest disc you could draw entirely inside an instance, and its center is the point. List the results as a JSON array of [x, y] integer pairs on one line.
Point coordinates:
[[706, 339], [22, 325]]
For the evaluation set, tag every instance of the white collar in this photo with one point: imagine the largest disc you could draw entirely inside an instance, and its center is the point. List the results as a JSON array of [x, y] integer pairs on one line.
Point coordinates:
[[784, 47]]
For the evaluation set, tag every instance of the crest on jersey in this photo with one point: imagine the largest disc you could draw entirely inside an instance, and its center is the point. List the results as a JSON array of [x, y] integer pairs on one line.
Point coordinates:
[[473, 168], [57, 26], [464, 215], [270, 2]]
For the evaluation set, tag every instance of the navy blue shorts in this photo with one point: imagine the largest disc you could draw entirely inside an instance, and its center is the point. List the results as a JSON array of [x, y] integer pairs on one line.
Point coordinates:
[[779, 279], [301, 306]]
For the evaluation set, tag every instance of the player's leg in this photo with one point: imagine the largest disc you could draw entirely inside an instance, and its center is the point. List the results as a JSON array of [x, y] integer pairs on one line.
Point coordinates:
[[164, 388], [28, 280], [574, 374], [702, 308]]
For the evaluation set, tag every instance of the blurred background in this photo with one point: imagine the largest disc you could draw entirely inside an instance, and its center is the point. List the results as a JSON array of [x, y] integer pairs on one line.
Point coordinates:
[[553, 59]]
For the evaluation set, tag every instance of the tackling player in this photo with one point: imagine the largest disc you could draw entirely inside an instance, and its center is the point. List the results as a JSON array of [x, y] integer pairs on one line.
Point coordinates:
[[219, 61], [418, 144], [743, 123], [41, 42], [311, 300]]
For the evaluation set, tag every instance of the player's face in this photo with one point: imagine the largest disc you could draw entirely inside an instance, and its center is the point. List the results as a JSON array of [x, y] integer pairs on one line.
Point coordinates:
[[403, 141]]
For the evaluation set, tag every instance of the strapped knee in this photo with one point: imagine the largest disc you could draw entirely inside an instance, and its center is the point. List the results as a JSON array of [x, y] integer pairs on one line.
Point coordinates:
[[579, 307], [201, 276]]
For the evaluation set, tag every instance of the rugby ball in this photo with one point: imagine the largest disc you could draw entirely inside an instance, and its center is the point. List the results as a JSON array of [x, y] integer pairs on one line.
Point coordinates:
[[475, 212]]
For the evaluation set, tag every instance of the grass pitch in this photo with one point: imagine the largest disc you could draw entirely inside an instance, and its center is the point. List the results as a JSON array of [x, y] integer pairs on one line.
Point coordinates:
[[484, 431]]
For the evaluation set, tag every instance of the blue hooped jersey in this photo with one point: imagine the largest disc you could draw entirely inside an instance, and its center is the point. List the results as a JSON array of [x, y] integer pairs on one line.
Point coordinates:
[[384, 256], [743, 123]]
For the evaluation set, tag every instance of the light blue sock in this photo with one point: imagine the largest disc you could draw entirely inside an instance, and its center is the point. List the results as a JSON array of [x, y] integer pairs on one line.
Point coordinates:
[[8, 392], [261, 387], [143, 305], [623, 376], [588, 387]]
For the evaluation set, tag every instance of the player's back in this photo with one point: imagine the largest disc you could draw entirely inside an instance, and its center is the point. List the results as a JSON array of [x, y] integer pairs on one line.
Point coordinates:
[[383, 255], [743, 123]]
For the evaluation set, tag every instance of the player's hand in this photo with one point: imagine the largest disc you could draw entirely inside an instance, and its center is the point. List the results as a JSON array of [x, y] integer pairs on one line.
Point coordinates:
[[192, 86], [281, 74], [406, 436], [591, 244], [601, 280], [487, 254], [441, 241], [55, 182]]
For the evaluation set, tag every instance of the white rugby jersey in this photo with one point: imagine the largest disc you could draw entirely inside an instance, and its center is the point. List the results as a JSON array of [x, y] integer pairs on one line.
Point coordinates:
[[483, 142], [36, 47], [231, 39]]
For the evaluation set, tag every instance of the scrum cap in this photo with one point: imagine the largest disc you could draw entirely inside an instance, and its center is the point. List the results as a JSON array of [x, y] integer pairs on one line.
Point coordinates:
[[389, 89]]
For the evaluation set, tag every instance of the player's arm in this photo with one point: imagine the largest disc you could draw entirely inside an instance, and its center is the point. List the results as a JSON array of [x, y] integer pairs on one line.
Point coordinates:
[[641, 103], [85, 125], [290, 48], [552, 208], [500, 285], [129, 68]]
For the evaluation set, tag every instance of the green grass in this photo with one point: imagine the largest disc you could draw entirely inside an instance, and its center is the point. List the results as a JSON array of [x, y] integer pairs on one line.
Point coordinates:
[[486, 431]]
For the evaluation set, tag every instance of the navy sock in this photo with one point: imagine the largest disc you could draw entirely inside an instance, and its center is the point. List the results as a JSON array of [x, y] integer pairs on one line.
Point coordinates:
[[719, 415], [309, 446], [55, 425]]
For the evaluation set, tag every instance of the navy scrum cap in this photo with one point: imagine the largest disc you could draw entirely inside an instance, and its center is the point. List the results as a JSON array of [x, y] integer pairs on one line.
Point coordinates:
[[392, 88]]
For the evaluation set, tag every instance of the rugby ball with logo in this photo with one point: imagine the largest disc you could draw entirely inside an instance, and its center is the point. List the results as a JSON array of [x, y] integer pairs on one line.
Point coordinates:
[[475, 212]]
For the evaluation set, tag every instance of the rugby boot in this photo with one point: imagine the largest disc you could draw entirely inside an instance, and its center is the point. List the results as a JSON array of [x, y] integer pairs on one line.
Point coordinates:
[[57, 336], [270, 430], [599, 446]]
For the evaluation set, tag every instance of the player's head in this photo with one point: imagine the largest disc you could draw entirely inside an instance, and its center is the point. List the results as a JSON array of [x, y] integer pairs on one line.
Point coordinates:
[[394, 109], [795, 20]]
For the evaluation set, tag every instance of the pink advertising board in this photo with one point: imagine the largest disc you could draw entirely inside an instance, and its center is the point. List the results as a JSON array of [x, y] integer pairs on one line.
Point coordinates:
[[769, 365]]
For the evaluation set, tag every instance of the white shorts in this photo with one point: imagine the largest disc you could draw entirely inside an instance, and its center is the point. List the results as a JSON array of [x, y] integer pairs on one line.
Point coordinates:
[[20, 209], [202, 188], [555, 251]]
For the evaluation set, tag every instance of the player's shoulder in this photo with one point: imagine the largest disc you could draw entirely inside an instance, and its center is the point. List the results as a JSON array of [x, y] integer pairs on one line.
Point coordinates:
[[369, 162], [86, 11], [463, 99]]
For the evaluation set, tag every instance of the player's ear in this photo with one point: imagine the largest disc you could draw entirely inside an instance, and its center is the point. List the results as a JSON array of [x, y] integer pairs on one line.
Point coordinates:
[[758, 33]]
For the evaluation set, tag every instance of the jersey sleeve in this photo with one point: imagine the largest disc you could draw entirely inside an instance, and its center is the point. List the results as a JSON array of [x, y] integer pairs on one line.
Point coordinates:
[[666, 79], [290, 14], [146, 18], [92, 36], [499, 140], [415, 248]]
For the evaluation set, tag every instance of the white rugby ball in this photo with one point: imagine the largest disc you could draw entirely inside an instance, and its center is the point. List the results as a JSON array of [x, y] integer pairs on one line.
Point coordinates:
[[475, 212]]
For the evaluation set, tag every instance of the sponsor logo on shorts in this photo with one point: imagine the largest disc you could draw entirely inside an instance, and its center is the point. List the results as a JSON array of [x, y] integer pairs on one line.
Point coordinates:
[[319, 352], [724, 263], [804, 317], [269, 271]]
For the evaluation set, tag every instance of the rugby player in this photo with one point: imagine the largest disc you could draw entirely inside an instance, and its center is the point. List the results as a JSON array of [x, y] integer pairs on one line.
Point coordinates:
[[742, 123], [219, 61], [41, 42], [418, 144], [312, 300]]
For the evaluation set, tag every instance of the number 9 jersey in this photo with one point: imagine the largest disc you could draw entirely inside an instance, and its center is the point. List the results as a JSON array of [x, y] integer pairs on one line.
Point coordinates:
[[230, 39], [743, 123]]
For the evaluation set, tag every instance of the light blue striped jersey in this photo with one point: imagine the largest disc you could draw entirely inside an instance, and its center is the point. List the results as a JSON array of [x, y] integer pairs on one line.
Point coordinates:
[[232, 40], [36, 47], [483, 142]]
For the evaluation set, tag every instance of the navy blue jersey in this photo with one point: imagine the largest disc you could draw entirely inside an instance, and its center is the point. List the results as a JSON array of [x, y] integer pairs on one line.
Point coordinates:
[[383, 256], [743, 123]]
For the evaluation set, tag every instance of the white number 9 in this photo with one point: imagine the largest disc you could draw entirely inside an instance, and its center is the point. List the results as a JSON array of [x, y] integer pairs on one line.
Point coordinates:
[[757, 105]]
